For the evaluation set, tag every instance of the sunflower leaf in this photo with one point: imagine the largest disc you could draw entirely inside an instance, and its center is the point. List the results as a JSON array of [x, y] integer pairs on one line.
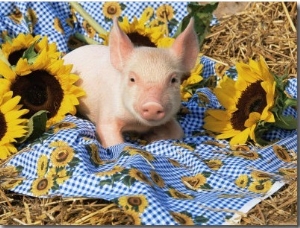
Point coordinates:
[[202, 14], [30, 53], [128, 181], [200, 219], [36, 126], [105, 182]]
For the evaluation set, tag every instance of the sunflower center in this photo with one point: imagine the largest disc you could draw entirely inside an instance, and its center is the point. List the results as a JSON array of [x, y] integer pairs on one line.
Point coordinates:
[[42, 184], [179, 219], [3, 126], [62, 155], [253, 99], [112, 10], [259, 187], [134, 201], [180, 195], [140, 175], [39, 91], [193, 182], [140, 40], [15, 56], [156, 178]]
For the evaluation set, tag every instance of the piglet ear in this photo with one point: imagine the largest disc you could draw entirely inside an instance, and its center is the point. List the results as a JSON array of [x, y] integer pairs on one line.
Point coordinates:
[[120, 46], [186, 47]]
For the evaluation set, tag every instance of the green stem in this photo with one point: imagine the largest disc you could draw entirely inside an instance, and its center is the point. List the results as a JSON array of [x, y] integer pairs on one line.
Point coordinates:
[[85, 39], [290, 102], [88, 18]]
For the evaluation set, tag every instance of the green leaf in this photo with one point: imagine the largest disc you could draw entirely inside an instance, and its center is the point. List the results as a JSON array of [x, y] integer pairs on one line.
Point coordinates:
[[74, 162], [206, 174], [36, 126], [200, 219], [117, 176], [290, 102], [128, 181], [105, 182], [30, 53], [19, 168], [55, 186], [286, 122], [206, 186], [203, 15], [123, 6]]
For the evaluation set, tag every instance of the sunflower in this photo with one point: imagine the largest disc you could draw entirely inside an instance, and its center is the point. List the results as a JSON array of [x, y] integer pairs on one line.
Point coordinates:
[[12, 125], [134, 151], [288, 171], [139, 175], [136, 203], [45, 84], [111, 9], [184, 145], [94, 151], [16, 16], [41, 185], [194, 182], [182, 219], [63, 126], [89, 29], [189, 85], [260, 187], [58, 175], [174, 162], [61, 156], [242, 181], [138, 32], [257, 175], [157, 179], [250, 155], [58, 143], [42, 165], [133, 217], [214, 164], [114, 170], [10, 184], [282, 153], [247, 102], [178, 195], [32, 18], [15, 49], [58, 26], [164, 13]]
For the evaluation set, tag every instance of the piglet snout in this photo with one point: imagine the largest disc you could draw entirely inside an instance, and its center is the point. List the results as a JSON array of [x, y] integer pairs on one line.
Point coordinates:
[[152, 111]]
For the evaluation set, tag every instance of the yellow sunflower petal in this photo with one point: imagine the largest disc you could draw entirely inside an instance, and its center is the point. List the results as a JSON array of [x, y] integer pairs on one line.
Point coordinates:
[[10, 105], [6, 71], [240, 138]]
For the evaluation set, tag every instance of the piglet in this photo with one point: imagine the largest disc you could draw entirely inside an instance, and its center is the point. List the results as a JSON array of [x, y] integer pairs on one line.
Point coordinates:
[[132, 88]]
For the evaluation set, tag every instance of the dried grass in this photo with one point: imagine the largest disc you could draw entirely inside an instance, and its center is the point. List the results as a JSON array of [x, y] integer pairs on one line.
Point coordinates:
[[267, 28]]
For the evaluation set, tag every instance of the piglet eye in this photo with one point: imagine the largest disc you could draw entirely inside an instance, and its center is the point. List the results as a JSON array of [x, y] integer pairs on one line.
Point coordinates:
[[173, 80], [132, 79]]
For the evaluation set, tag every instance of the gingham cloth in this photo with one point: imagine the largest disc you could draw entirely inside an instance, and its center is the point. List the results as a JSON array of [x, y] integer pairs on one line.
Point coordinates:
[[155, 173]]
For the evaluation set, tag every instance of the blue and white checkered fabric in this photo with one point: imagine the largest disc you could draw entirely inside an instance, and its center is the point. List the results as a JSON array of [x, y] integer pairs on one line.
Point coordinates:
[[189, 181]]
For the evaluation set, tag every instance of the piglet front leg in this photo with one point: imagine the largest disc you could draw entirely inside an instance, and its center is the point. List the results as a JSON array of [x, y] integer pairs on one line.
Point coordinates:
[[109, 134]]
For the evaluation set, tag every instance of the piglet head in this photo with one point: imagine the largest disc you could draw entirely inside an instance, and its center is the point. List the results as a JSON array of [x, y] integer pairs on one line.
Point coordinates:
[[151, 77]]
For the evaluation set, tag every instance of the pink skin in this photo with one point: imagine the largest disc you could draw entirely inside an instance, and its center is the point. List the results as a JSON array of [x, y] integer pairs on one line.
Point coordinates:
[[133, 88]]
